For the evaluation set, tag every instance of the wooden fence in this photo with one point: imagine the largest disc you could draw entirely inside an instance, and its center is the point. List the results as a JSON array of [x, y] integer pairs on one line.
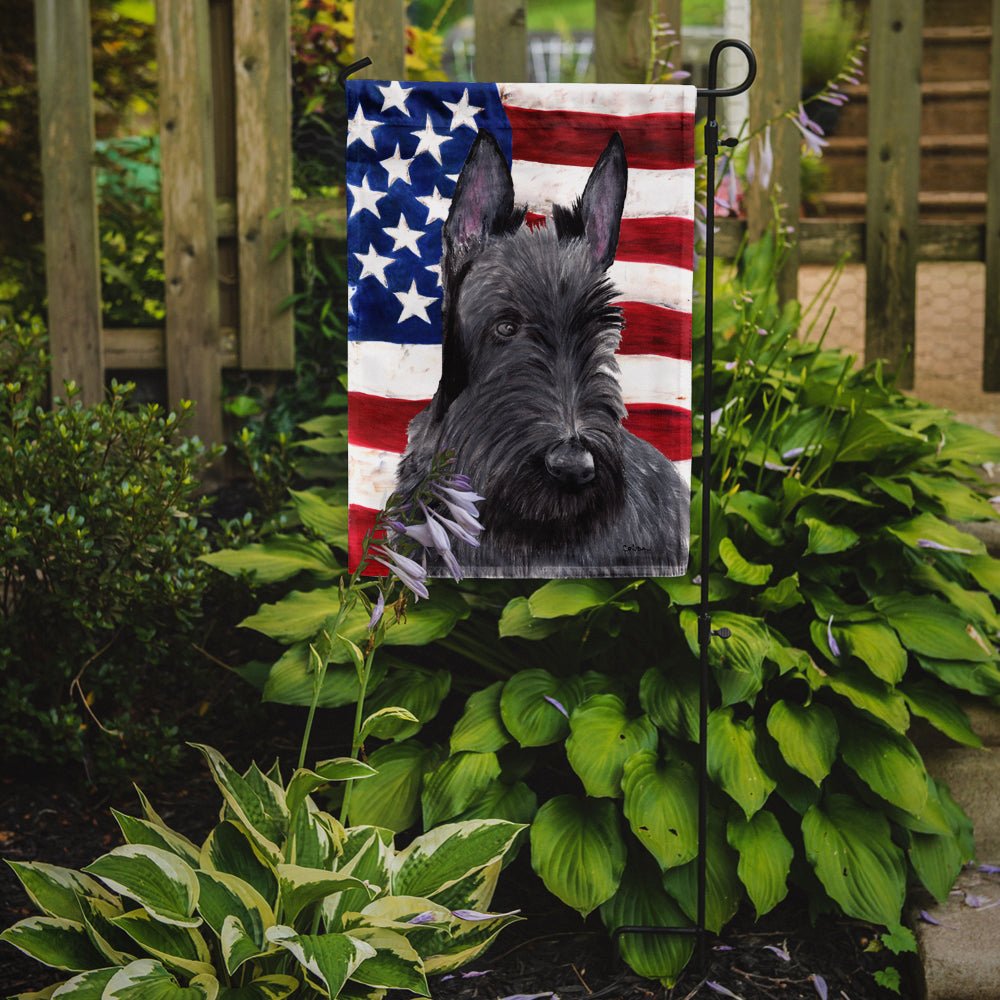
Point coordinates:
[[226, 160]]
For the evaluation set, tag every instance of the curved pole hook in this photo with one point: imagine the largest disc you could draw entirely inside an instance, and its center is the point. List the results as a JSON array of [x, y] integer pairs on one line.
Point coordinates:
[[352, 68], [712, 91]]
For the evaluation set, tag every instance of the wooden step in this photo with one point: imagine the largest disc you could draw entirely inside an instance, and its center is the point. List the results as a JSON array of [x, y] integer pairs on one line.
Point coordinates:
[[940, 13], [956, 53]]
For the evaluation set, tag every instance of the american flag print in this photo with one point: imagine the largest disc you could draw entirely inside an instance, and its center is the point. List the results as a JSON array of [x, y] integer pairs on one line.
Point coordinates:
[[406, 145]]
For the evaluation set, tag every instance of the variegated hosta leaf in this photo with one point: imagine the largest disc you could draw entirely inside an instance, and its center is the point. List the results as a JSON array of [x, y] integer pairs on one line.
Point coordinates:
[[395, 964], [315, 838], [86, 986], [328, 959], [661, 799], [177, 947], [147, 979], [850, 847], [238, 944], [535, 706], [56, 891], [481, 727], [158, 880], [230, 849], [578, 851], [116, 946], [274, 987], [457, 784], [807, 736], [225, 897], [300, 887], [54, 941], [732, 760], [441, 857], [765, 858], [141, 831], [476, 890], [304, 782], [602, 737], [367, 853], [468, 939]]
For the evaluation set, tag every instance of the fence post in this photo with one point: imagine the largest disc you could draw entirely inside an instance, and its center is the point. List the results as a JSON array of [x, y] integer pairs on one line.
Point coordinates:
[[380, 34], [622, 40], [893, 183], [190, 251], [72, 255], [501, 41], [991, 333], [776, 34], [262, 61]]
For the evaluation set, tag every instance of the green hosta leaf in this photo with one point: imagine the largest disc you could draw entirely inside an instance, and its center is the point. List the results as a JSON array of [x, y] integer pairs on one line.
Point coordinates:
[[602, 738], [758, 511], [54, 941], [976, 678], [958, 502], [230, 849], [304, 782], [330, 959], [516, 803], [893, 488], [279, 558], [931, 628], [275, 987], [558, 598], [732, 760], [292, 680], [225, 897], [56, 891], [827, 539], [976, 605], [850, 848], [876, 646], [986, 571], [325, 519], [385, 723], [671, 700], [752, 574], [661, 798], [395, 964], [928, 528], [783, 595], [180, 948], [517, 620], [738, 661], [965, 443], [641, 901], [481, 728], [415, 689], [864, 692], [443, 856], [888, 763], [937, 859], [941, 709], [456, 784], [578, 851], [765, 858], [684, 592], [528, 714], [807, 736], [301, 887], [159, 881], [391, 798], [147, 979], [141, 831], [870, 435]]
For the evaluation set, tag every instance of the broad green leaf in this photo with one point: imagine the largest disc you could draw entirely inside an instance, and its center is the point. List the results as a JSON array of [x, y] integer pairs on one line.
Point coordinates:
[[529, 706], [273, 987], [456, 785], [986, 571], [147, 979], [325, 519], [958, 502], [385, 723], [517, 620], [783, 595], [54, 941], [870, 435], [684, 592], [937, 860], [516, 803], [866, 692], [807, 736], [941, 709], [738, 661], [640, 901], [828, 539], [876, 646], [671, 700], [976, 678], [163, 884], [416, 689], [395, 964], [888, 763], [292, 681], [758, 511], [230, 849], [976, 605], [732, 760], [56, 891], [661, 799], [965, 443], [558, 598], [180, 948], [330, 959], [301, 887], [739, 569], [928, 528], [391, 798], [850, 848], [893, 488], [578, 851], [931, 628], [765, 858], [602, 738], [481, 728], [279, 558], [142, 831], [438, 859], [225, 897]]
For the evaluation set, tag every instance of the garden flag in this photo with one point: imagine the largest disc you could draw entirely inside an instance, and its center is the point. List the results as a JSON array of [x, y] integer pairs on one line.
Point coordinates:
[[520, 280]]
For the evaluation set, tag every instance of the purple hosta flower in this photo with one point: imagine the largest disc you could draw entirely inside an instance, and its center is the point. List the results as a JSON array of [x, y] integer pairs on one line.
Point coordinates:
[[780, 952], [812, 134], [465, 975], [989, 869], [461, 505], [834, 648], [377, 611], [552, 701], [927, 543], [820, 984], [427, 917], [761, 163], [475, 915], [719, 988], [727, 198], [411, 574]]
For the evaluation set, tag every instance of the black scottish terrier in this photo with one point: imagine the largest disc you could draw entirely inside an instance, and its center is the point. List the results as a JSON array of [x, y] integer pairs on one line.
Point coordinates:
[[529, 401]]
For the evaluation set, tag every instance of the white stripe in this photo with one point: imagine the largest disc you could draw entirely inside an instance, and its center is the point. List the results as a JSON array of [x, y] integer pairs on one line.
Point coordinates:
[[617, 99], [379, 368], [658, 284], [649, 192]]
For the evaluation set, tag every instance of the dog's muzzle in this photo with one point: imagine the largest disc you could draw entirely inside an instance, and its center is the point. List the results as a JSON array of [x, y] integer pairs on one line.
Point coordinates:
[[570, 464]]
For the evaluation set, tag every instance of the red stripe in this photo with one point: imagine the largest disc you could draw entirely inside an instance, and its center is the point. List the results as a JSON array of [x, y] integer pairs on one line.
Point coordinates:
[[666, 428], [653, 329], [657, 240], [652, 142], [360, 521], [378, 422]]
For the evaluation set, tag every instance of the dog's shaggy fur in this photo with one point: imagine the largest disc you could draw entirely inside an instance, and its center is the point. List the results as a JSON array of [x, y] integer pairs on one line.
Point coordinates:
[[529, 400]]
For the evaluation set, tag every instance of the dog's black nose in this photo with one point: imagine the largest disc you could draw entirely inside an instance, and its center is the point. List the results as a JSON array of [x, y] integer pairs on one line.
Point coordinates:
[[570, 464]]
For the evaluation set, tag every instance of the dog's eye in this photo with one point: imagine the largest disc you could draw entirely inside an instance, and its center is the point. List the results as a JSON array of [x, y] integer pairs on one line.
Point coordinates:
[[506, 328]]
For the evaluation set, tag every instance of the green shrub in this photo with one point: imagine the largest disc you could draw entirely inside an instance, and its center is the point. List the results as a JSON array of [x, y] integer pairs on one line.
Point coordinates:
[[99, 541]]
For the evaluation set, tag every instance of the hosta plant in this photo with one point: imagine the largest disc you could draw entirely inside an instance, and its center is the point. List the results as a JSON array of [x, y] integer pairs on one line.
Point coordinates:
[[279, 900]]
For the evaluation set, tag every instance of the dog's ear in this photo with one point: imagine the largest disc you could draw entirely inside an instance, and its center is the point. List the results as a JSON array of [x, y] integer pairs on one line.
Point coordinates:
[[483, 203], [603, 200]]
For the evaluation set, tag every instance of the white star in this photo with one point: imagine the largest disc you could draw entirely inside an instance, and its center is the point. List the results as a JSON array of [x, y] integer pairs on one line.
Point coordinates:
[[414, 304], [462, 113], [360, 128], [397, 168], [435, 269], [374, 265], [437, 205], [395, 97], [430, 141], [365, 197], [403, 236], [351, 289]]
